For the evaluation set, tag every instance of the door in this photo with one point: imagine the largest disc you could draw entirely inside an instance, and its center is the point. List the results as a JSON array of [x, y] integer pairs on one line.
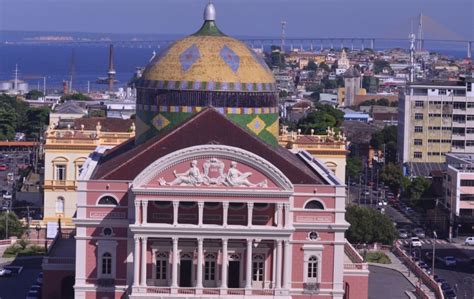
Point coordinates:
[[234, 274], [185, 273], [258, 271]]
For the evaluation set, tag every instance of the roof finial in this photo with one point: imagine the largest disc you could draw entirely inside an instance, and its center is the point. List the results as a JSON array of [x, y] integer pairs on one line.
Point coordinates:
[[210, 12]]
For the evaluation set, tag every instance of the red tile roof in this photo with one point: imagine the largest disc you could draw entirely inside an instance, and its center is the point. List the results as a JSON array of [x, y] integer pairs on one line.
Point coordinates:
[[126, 161]]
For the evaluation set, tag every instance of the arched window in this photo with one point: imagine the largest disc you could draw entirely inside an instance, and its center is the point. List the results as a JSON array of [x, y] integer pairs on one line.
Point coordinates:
[[108, 200], [258, 267], [106, 264], [314, 205], [60, 205], [210, 267], [313, 268]]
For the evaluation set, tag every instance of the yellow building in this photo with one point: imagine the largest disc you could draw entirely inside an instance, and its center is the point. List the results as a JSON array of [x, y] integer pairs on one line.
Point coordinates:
[[331, 148], [66, 150]]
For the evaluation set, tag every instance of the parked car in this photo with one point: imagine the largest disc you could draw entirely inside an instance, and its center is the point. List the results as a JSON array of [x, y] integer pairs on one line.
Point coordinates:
[[423, 265], [445, 286], [469, 241], [39, 280], [419, 232], [449, 261], [5, 272], [402, 233], [7, 196], [449, 294], [415, 242], [3, 167], [33, 294]]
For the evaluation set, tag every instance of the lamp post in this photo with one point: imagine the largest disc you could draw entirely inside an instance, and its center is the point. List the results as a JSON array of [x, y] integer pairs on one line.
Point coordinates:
[[38, 229]]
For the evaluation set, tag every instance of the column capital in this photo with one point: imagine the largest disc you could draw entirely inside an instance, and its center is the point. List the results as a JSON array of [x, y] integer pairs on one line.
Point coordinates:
[[137, 203], [136, 238], [250, 240], [175, 203], [286, 205], [200, 241], [279, 206], [175, 240], [225, 204], [201, 204], [144, 202], [144, 238], [250, 204], [225, 241]]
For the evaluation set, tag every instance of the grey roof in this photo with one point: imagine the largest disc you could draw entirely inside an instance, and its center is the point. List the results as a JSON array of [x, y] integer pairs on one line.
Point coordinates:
[[351, 73], [424, 169], [70, 107]]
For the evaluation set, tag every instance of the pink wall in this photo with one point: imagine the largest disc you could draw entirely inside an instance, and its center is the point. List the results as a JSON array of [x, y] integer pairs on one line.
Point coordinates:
[[358, 286], [52, 282], [102, 295]]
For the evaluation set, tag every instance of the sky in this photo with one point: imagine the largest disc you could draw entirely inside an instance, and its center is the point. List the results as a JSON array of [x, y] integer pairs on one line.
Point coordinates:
[[305, 18]]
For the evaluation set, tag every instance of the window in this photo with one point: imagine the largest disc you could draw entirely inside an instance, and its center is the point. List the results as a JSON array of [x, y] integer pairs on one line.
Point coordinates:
[[108, 200], [459, 105], [260, 206], [470, 117], [210, 267], [312, 268], [60, 172], [417, 155], [469, 86], [188, 204], [60, 205], [467, 183], [442, 91], [418, 142], [236, 205], [419, 116], [419, 104], [106, 264], [459, 118], [161, 265], [257, 267], [418, 129], [313, 235], [314, 205], [107, 231], [470, 130]]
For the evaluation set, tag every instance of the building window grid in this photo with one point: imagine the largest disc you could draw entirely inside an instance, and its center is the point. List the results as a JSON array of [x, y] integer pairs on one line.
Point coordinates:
[[210, 269], [418, 142], [60, 173], [106, 264], [312, 268], [418, 129], [257, 268], [418, 155], [418, 116]]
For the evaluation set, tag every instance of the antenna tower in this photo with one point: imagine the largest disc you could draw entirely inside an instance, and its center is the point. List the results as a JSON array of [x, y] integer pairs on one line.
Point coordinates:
[[111, 72], [420, 33], [72, 69], [283, 28]]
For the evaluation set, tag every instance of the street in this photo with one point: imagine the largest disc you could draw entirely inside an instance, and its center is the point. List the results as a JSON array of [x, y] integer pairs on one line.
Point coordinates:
[[387, 283], [17, 285]]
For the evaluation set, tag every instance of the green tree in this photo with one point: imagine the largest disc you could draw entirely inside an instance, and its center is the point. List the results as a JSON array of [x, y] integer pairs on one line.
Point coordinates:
[[324, 66], [383, 102], [380, 64], [386, 138], [391, 175], [34, 94], [75, 97], [354, 167], [36, 120], [369, 226], [317, 120], [7, 123], [370, 83], [417, 188], [15, 227], [312, 66], [283, 94]]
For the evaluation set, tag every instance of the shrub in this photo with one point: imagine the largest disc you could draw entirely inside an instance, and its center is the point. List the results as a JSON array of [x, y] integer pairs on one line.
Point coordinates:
[[377, 257]]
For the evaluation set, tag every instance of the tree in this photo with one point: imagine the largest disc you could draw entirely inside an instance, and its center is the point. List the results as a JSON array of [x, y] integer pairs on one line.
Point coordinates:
[[370, 83], [369, 226], [283, 94], [324, 66], [391, 175], [312, 66], [388, 138], [15, 227], [34, 94], [380, 64], [353, 167], [36, 120], [417, 188], [383, 102], [318, 121], [75, 97]]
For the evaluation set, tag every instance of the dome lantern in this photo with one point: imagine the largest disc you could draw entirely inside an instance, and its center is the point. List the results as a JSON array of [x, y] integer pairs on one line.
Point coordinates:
[[210, 12]]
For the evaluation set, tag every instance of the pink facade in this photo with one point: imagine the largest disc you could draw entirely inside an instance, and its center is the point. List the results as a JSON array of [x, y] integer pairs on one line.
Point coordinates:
[[263, 236]]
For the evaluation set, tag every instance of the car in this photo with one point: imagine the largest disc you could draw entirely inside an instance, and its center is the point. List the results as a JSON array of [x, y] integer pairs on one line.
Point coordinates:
[[445, 286], [440, 280], [5, 272], [402, 233], [449, 261], [419, 232], [423, 265], [7, 196], [39, 280], [381, 210], [3, 167], [415, 242], [33, 294], [449, 294], [469, 241]]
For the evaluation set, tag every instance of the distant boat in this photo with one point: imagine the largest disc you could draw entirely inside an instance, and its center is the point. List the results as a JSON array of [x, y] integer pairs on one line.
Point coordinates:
[[104, 80]]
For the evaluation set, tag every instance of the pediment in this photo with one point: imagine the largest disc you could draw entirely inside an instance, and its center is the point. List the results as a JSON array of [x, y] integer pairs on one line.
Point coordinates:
[[212, 167]]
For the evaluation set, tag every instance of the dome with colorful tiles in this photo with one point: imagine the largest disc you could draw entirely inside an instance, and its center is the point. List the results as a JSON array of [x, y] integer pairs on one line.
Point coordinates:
[[206, 69]]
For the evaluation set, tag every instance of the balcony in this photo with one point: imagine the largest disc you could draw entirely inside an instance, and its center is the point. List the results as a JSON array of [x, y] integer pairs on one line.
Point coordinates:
[[59, 185], [138, 292]]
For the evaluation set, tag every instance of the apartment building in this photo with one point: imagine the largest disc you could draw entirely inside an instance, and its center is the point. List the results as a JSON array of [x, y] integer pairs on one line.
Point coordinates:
[[436, 118]]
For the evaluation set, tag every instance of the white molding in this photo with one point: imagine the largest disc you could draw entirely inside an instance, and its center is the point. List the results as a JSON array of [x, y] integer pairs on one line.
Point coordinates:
[[227, 192], [104, 246], [214, 151]]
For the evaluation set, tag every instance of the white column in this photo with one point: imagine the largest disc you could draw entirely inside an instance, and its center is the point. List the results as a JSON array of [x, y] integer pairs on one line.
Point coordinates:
[[174, 277], [224, 264], [143, 262], [199, 263], [137, 212], [249, 214], [279, 219], [287, 266], [248, 272], [200, 212], [274, 265], [136, 261], [225, 210], [144, 212], [278, 265], [175, 212], [287, 216]]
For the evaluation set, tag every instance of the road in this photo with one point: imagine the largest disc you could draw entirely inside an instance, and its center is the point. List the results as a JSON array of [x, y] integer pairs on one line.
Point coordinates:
[[387, 283], [17, 286]]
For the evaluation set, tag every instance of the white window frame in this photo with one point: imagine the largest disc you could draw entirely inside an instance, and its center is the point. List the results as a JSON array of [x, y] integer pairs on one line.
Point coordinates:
[[60, 205], [310, 251], [258, 259], [210, 258], [56, 172], [160, 282], [104, 246]]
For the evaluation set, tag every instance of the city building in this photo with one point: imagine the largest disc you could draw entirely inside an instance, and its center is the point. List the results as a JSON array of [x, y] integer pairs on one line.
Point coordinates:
[[330, 149], [436, 118], [66, 112], [352, 87], [65, 151], [208, 206], [459, 188]]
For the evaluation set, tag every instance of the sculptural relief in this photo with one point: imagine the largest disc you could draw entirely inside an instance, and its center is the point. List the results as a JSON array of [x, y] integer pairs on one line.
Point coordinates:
[[213, 175]]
